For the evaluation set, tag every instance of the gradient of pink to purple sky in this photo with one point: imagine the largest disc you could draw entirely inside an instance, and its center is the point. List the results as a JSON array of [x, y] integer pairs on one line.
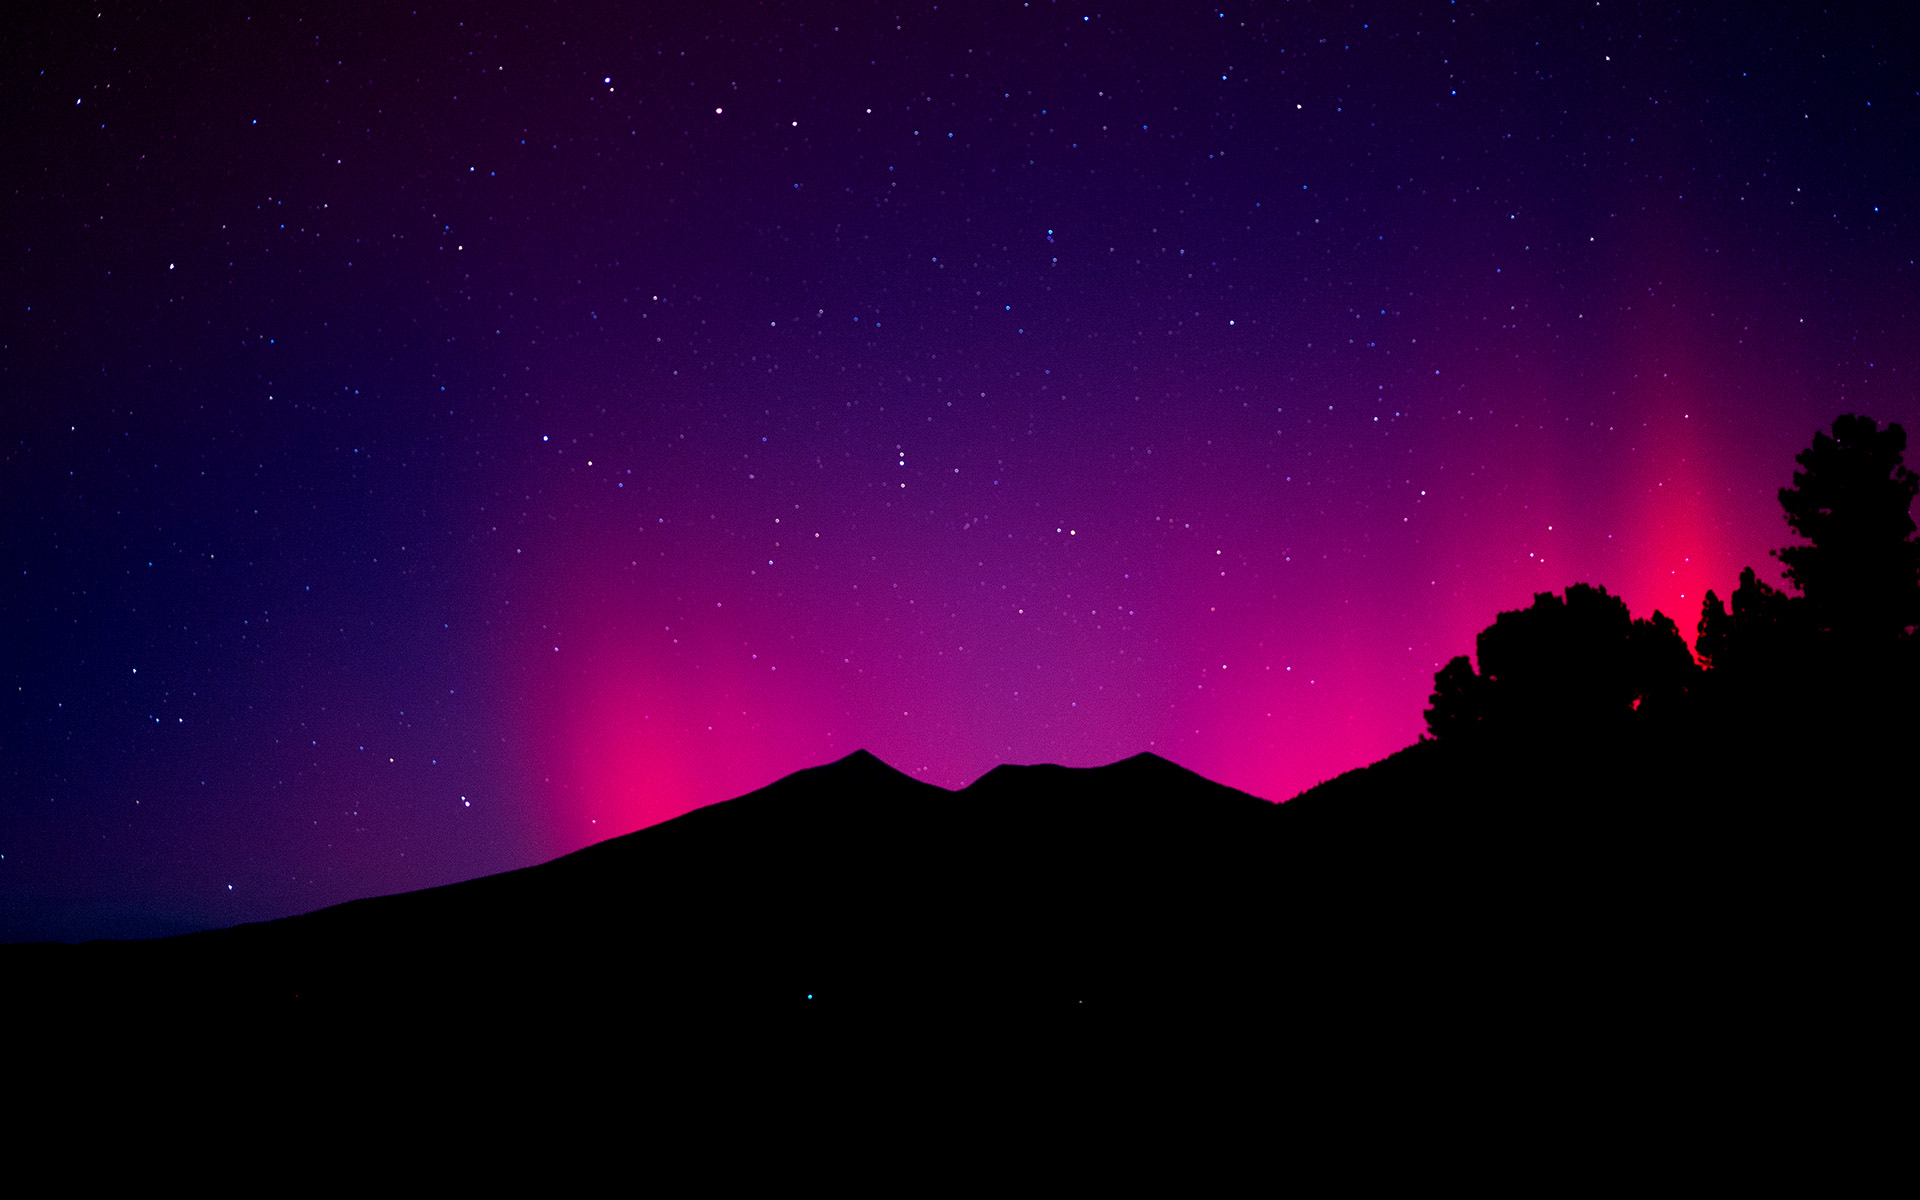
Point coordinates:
[[1149, 589], [440, 438]]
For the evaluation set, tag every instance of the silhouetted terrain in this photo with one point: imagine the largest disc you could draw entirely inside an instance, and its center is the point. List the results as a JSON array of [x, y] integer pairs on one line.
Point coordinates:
[[849, 882], [1418, 889], [1606, 846]]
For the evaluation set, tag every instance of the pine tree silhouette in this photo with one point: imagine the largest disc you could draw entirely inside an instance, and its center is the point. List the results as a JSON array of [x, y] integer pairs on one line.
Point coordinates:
[[1852, 499], [1763, 629]]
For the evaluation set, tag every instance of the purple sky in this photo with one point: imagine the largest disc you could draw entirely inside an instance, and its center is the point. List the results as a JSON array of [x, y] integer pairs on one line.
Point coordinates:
[[437, 441]]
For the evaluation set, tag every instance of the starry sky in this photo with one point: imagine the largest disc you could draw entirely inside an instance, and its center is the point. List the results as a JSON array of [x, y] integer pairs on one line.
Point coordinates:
[[435, 439]]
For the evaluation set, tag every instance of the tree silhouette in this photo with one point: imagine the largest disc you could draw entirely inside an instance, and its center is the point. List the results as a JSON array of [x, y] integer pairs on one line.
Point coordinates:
[[1576, 665], [1662, 669], [1852, 499], [1841, 648], [1763, 629], [1458, 707], [1798, 697]]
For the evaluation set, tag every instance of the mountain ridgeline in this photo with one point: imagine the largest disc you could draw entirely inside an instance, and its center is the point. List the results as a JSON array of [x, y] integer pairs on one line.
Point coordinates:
[[1596, 817], [850, 882]]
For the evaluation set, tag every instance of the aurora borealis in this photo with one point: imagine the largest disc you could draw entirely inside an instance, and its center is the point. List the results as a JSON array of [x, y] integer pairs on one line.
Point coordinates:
[[438, 440]]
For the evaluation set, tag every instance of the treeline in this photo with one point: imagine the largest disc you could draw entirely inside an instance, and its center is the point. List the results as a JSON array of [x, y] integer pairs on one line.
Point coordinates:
[[1788, 676], [1674, 859]]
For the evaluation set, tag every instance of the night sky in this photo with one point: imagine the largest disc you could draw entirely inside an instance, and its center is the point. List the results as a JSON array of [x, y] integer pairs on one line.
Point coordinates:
[[438, 440]]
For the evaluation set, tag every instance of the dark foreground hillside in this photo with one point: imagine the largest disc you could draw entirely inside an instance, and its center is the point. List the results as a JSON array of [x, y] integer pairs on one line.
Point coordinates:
[[1604, 955], [1599, 899]]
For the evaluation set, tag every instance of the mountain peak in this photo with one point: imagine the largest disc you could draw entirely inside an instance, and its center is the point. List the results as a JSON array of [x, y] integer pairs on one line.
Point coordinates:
[[862, 764]]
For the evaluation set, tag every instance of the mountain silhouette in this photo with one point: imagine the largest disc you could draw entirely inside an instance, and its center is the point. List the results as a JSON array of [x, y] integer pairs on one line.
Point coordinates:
[[1447, 914], [846, 883], [1610, 861], [1451, 904]]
